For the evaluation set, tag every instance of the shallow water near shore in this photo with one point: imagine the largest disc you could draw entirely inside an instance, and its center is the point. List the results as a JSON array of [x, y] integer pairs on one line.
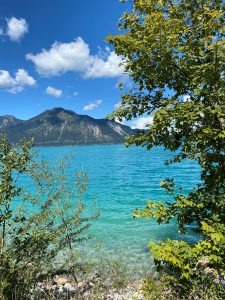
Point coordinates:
[[122, 179]]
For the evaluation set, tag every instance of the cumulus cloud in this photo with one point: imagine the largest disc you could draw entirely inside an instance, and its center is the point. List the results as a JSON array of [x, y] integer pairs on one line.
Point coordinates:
[[23, 78], [141, 123], [75, 57], [121, 122], [16, 89], [53, 91], [117, 105], [61, 58], [186, 98], [16, 28], [104, 68], [6, 81], [17, 83], [92, 105]]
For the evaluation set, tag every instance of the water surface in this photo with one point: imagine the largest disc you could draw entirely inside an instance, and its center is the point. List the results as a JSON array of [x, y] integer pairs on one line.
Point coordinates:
[[123, 179]]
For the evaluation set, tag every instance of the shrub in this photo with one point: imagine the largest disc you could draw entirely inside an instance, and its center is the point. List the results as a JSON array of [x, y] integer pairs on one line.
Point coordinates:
[[42, 218]]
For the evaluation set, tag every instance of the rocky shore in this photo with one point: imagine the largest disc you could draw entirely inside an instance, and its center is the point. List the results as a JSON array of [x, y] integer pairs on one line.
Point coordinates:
[[64, 287]]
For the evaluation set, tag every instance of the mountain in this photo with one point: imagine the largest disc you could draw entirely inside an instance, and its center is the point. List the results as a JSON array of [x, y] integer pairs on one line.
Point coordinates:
[[59, 126], [8, 121]]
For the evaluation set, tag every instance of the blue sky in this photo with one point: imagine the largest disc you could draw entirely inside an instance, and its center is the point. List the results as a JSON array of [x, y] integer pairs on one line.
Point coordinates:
[[53, 54]]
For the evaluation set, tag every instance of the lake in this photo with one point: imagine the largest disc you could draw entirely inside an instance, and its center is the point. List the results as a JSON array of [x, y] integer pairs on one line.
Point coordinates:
[[122, 179]]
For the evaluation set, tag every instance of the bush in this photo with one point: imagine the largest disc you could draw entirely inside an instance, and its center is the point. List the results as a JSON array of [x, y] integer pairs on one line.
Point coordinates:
[[42, 218]]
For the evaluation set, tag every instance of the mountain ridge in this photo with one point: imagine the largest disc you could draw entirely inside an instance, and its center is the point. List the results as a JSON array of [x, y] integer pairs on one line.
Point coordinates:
[[7, 121], [59, 126]]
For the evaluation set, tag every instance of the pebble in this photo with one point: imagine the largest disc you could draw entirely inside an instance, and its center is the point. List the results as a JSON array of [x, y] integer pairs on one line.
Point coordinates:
[[69, 287], [80, 284], [61, 280]]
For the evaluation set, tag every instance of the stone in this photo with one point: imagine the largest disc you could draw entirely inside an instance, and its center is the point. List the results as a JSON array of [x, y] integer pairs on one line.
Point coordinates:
[[86, 288], [60, 289], [216, 281], [61, 280], [203, 262], [30, 265], [80, 284], [55, 287], [69, 287]]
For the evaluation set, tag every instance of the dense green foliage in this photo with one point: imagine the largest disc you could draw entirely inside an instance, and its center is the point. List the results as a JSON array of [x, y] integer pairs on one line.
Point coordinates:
[[174, 51], [42, 218]]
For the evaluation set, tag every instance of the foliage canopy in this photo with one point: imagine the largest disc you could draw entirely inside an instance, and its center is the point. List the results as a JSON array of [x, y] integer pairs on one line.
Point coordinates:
[[174, 52]]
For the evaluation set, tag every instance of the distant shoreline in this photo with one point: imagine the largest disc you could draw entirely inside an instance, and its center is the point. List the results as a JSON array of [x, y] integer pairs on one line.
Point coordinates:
[[65, 145]]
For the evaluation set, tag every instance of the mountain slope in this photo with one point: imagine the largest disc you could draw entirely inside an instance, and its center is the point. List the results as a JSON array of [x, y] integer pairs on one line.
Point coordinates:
[[8, 121], [64, 127]]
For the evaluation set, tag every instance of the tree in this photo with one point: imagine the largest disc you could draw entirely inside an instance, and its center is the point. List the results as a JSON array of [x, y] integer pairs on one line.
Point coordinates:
[[174, 52], [42, 216]]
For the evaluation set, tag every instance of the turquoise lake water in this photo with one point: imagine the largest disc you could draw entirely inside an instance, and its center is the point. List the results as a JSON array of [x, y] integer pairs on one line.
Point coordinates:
[[123, 179]]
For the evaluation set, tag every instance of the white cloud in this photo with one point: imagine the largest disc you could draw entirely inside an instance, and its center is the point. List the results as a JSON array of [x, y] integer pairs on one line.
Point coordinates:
[[16, 28], [75, 94], [15, 89], [141, 123], [23, 78], [17, 83], [117, 105], [118, 121], [186, 98], [61, 58], [104, 68], [92, 105], [75, 57], [53, 91], [6, 81]]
